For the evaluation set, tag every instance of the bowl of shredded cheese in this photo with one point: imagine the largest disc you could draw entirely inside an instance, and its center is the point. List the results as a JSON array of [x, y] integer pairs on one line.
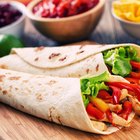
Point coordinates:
[[127, 12]]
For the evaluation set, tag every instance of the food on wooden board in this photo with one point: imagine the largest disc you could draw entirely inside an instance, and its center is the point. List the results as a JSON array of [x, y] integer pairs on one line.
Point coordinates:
[[72, 102]]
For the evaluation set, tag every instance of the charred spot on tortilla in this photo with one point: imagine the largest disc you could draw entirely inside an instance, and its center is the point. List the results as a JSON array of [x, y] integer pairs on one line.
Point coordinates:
[[36, 59], [97, 67], [87, 71], [80, 52], [54, 55], [39, 97], [50, 113], [39, 48], [14, 78], [59, 120], [5, 92], [1, 78], [21, 106], [3, 66], [16, 88], [51, 82], [62, 59]]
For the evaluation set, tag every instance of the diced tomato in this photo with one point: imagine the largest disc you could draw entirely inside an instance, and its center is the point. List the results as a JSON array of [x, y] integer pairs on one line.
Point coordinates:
[[64, 8]]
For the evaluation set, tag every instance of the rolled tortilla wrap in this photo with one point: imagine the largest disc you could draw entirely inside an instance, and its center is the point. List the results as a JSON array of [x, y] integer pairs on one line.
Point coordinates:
[[54, 99], [70, 61], [78, 69]]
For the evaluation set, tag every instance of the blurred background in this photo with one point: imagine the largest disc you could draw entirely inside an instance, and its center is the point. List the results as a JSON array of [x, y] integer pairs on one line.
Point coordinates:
[[107, 31]]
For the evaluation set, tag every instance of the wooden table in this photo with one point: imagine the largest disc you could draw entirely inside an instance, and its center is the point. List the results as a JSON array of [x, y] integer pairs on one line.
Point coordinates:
[[15, 125]]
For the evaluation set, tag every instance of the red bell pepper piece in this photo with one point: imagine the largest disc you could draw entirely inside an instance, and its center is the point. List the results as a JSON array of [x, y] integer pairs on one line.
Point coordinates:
[[127, 109], [102, 106], [135, 75], [133, 80], [130, 87], [116, 94], [109, 116], [103, 94], [135, 64], [94, 112]]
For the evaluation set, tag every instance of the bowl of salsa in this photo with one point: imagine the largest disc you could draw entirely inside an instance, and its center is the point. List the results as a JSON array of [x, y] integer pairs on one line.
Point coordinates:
[[65, 20]]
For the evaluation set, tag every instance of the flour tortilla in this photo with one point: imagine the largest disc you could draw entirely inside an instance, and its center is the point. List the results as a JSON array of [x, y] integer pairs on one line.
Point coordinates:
[[51, 98], [65, 61]]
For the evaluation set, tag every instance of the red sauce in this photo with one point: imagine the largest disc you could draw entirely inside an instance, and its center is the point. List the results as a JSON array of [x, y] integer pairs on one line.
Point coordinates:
[[63, 8]]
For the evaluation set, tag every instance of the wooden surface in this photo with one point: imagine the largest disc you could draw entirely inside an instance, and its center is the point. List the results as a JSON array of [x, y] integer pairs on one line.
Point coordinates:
[[15, 125]]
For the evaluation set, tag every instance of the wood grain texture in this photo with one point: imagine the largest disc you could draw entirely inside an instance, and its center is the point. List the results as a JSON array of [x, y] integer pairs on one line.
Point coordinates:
[[15, 125]]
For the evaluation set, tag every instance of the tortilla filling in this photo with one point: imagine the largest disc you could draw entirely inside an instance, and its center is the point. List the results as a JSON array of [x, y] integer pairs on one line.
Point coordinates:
[[102, 98], [124, 61]]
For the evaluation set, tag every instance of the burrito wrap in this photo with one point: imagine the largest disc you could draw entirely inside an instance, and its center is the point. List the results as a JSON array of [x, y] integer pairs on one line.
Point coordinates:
[[68, 61], [51, 98]]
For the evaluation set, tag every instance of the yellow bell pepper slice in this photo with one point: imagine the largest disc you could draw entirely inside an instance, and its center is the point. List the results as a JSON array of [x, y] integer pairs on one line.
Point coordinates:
[[99, 103]]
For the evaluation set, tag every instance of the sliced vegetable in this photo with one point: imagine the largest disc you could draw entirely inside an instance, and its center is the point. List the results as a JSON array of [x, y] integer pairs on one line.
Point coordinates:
[[116, 94], [133, 80], [127, 109], [99, 103], [103, 94], [109, 116], [135, 75], [94, 112], [135, 64], [130, 87]]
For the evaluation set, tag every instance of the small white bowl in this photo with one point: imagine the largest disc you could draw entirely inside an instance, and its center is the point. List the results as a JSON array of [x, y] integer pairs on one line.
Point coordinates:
[[131, 28], [16, 28]]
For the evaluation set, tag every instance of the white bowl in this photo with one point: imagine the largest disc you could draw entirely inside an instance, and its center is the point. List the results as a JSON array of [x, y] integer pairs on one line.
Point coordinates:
[[131, 28], [16, 28]]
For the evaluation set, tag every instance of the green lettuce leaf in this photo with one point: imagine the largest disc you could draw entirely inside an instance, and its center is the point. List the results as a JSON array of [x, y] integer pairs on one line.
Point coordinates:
[[90, 86], [119, 59], [121, 66]]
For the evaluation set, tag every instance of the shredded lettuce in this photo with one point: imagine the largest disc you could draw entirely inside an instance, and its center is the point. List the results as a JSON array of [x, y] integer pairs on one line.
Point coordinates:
[[90, 86], [119, 59]]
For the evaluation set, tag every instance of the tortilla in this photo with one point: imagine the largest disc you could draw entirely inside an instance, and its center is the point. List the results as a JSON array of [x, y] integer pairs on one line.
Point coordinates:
[[65, 61], [68, 61], [54, 99]]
